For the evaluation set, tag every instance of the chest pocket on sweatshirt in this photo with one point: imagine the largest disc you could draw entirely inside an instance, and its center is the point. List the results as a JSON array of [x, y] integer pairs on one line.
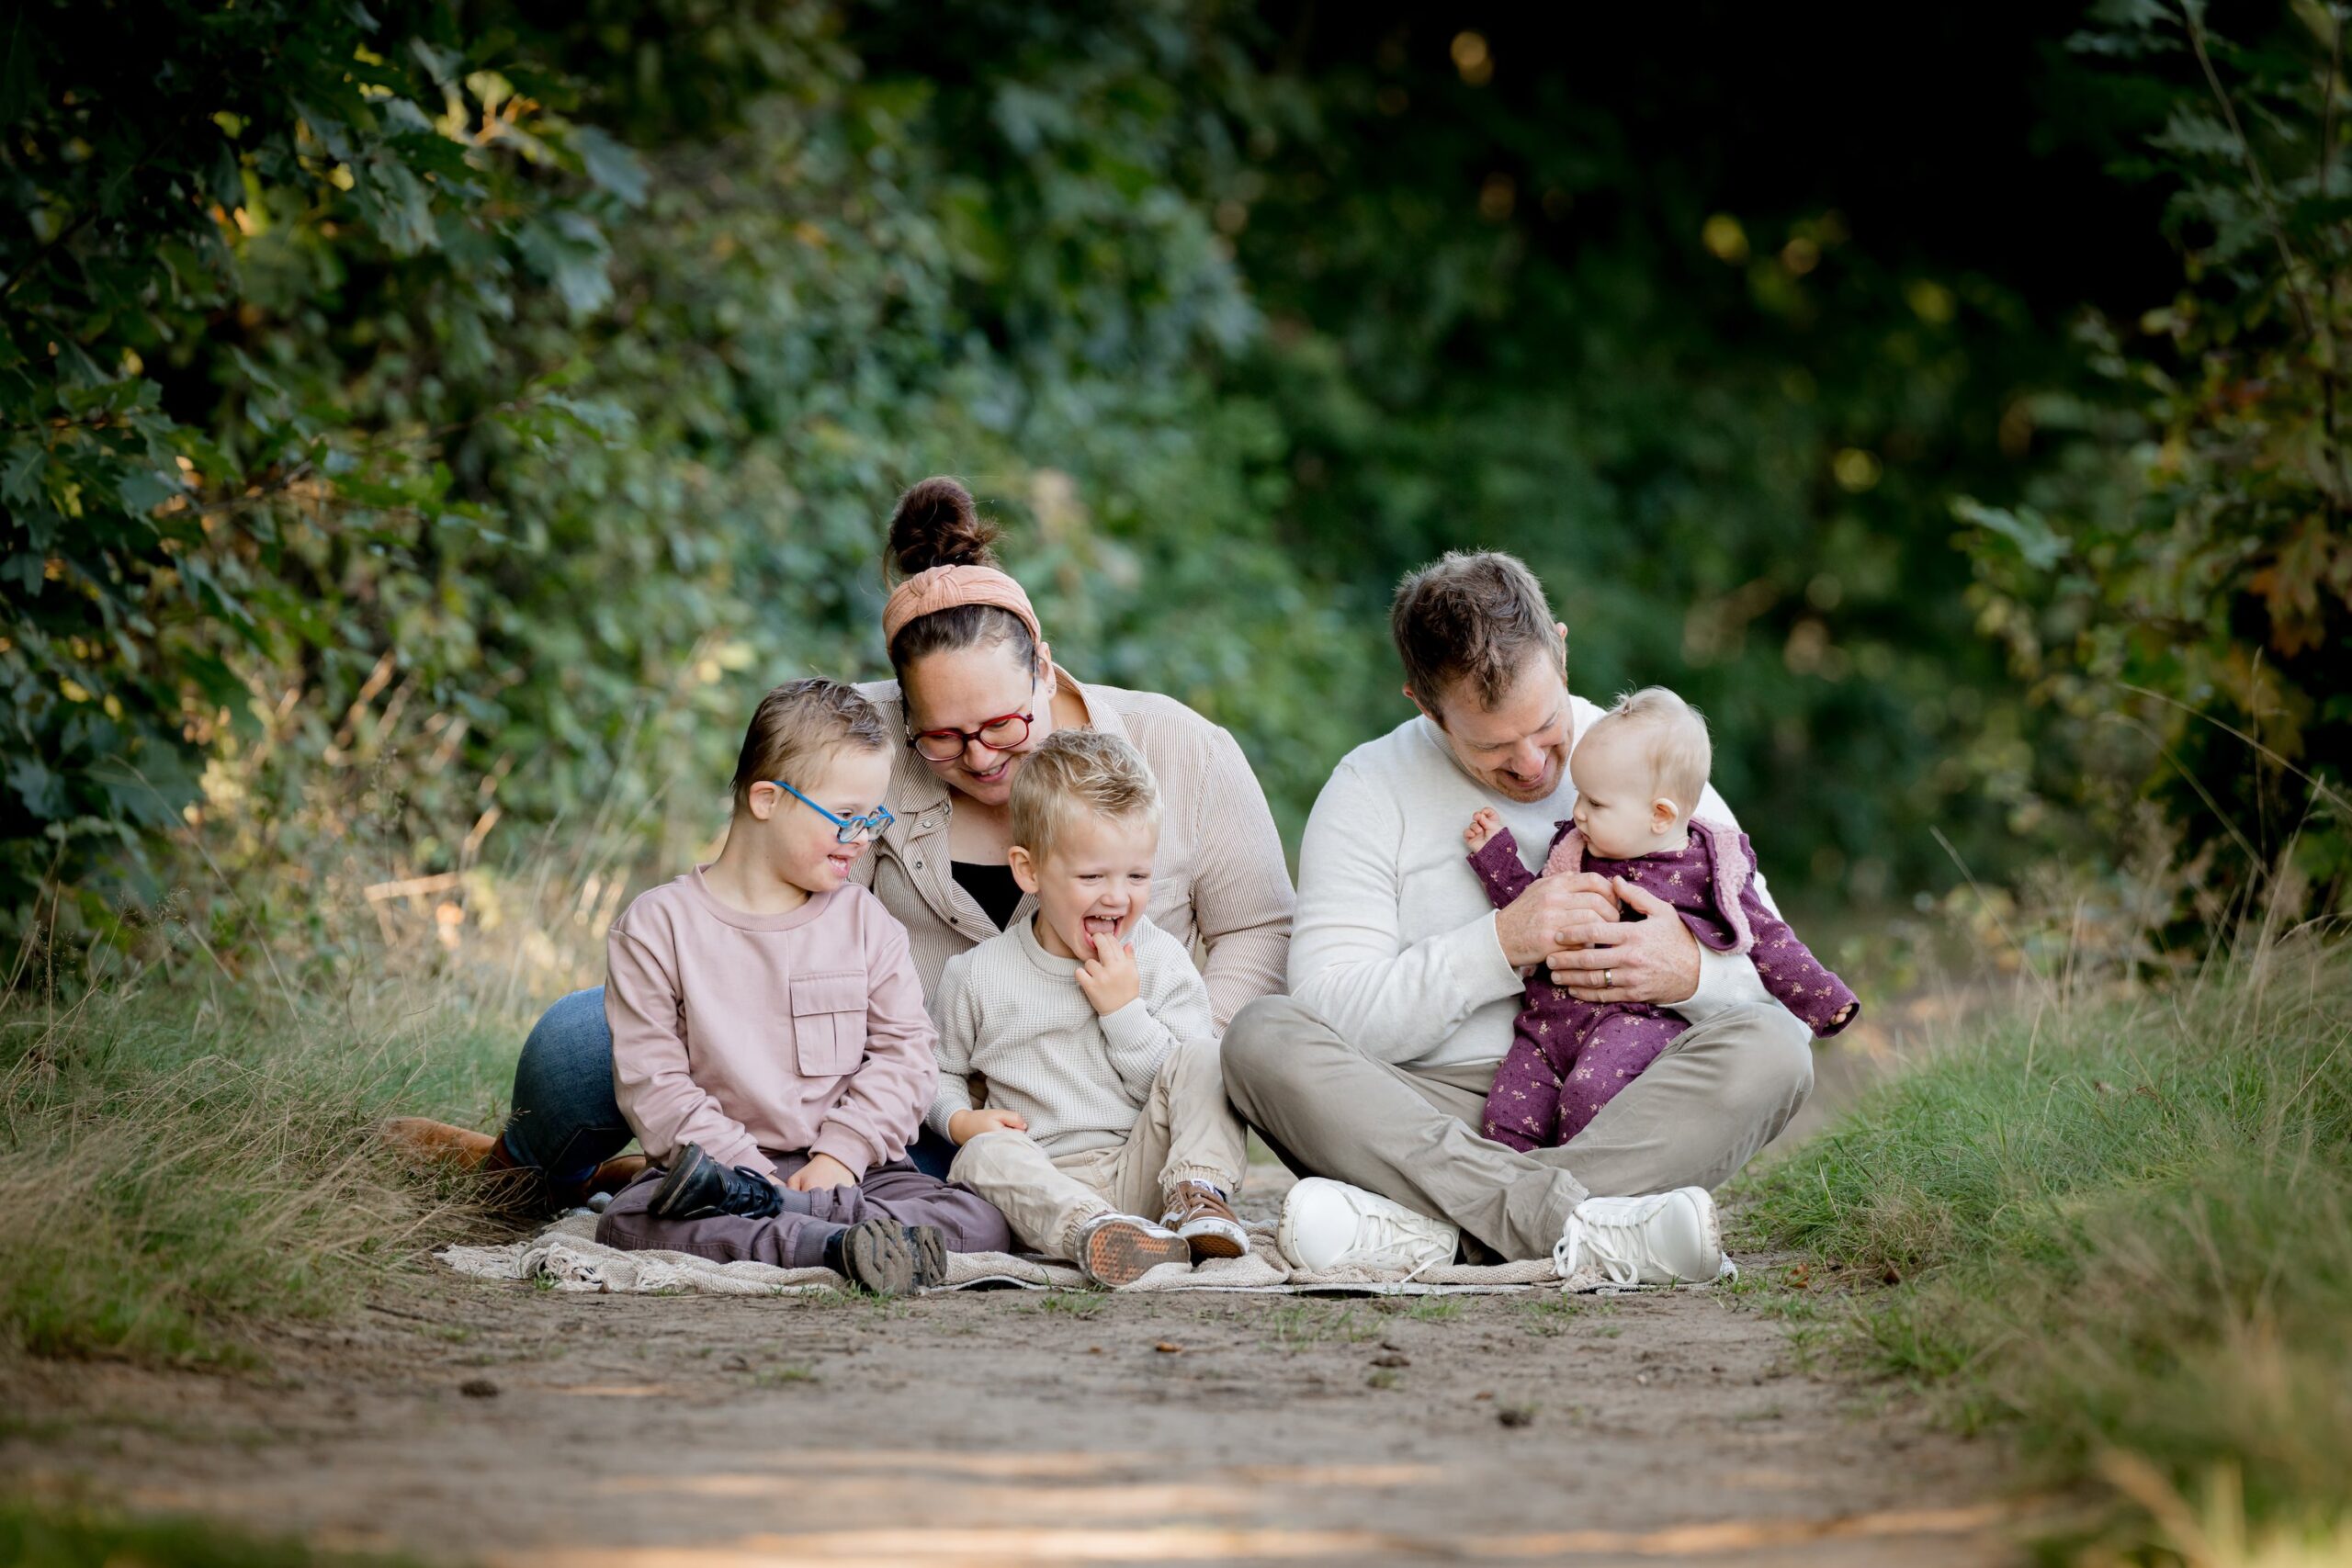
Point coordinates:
[[829, 1021]]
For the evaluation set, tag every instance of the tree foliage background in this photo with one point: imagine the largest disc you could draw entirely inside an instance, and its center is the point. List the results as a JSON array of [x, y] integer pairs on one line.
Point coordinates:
[[423, 417]]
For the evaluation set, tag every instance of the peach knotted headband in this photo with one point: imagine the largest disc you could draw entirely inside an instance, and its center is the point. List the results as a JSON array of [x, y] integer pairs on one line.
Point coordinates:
[[945, 587]]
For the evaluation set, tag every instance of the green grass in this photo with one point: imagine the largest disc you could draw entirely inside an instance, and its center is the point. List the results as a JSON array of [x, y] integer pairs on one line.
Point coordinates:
[[41, 1535], [177, 1166], [1547, 1313], [2122, 1228], [1295, 1326]]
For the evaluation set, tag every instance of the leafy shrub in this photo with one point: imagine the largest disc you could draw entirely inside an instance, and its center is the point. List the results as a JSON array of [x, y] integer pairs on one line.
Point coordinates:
[[453, 466], [2178, 595], [191, 195]]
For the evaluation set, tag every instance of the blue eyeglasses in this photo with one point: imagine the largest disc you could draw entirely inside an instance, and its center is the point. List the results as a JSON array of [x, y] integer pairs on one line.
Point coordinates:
[[847, 829]]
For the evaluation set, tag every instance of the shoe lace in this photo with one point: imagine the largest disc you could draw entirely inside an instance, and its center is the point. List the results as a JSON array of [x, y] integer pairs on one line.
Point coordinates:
[[1612, 1240], [1382, 1239], [1192, 1201], [751, 1196]]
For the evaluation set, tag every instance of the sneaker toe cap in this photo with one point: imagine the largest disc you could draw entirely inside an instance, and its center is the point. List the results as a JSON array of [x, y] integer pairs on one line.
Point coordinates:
[[1317, 1226], [1689, 1242]]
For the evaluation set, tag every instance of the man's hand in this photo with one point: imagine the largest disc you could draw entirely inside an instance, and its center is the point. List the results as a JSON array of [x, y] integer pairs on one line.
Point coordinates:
[[966, 1125], [1654, 960], [822, 1170], [1554, 912], [1108, 978]]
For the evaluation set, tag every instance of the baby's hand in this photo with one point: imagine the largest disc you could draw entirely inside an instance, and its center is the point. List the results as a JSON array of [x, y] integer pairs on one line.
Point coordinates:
[[1483, 826], [966, 1125]]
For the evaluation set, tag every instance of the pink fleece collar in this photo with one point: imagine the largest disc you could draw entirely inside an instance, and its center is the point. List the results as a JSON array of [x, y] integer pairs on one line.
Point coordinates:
[[1727, 871]]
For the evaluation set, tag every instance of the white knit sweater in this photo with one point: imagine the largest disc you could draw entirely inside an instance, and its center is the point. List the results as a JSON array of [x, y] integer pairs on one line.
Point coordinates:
[[1012, 1013], [1393, 944]]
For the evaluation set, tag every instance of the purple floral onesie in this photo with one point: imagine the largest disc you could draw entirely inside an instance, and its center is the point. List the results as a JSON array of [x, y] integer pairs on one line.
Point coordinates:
[[1570, 1058]]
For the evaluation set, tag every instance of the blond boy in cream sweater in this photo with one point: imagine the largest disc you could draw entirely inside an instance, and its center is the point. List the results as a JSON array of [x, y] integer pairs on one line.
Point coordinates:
[[1105, 1101]]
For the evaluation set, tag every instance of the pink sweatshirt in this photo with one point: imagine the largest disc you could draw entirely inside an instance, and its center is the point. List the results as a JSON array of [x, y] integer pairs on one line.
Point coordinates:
[[743, 1032]]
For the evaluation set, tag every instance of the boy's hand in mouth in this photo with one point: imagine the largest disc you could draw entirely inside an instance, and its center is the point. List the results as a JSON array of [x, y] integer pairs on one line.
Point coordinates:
[[1108, 978]]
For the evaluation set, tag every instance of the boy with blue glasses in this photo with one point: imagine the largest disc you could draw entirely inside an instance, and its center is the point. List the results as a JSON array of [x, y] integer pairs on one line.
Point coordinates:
[[770, 1045]]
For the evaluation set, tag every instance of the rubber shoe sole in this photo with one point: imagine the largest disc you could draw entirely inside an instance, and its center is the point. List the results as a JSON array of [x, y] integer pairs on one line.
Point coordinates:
[[684, 1174], [1120, 1252], [878, 1258], [1214, 1242], [930, 1249]]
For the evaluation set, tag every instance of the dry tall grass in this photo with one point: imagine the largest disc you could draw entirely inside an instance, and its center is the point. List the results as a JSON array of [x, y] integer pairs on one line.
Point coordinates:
[[175, 1169], [187, 1119]]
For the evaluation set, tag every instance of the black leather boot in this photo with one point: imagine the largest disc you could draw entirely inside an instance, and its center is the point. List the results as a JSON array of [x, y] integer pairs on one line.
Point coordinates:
[[698, 1188]]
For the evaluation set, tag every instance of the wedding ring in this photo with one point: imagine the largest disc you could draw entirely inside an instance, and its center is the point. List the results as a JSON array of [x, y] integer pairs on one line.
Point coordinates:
[[1609, 979]]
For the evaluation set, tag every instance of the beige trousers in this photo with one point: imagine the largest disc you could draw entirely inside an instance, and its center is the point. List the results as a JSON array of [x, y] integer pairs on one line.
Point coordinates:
[[1186, 1132], [1719, 1093]]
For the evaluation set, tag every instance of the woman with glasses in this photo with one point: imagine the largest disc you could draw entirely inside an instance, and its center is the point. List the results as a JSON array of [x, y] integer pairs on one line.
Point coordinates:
[[976, 690]]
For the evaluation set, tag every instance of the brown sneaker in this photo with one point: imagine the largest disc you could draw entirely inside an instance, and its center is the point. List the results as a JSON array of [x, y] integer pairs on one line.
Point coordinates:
[[427, 1142], [1199, 1213], [617, 1173], [1119, 1249]]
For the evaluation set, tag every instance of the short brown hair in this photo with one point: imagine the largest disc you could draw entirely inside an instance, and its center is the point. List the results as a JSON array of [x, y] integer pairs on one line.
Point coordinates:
[[1075, 772], [799, 727], [1469, 618]]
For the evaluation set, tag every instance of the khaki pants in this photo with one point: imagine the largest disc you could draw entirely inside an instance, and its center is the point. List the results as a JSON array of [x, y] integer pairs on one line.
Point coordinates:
[[1718, 1093], [1186, 1132]]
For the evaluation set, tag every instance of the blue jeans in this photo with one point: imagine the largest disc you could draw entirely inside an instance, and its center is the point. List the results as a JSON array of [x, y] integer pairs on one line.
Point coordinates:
[[565, 1121]]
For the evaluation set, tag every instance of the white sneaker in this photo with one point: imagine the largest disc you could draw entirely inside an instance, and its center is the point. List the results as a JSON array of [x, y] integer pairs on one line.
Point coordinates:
[[1658, 1238], [1329, 1225]]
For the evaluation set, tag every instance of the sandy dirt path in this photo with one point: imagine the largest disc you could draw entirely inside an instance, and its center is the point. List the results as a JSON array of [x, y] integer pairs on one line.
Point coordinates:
[[504, 1425]]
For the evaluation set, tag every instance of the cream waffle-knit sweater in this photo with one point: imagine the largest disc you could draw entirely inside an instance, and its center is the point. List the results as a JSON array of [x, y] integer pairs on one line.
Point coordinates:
[[1012, 1013]]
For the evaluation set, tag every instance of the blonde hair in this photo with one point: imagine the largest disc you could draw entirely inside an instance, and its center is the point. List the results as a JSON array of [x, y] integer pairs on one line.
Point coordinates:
[[799, 728], [1681, 754], [1074, 773]]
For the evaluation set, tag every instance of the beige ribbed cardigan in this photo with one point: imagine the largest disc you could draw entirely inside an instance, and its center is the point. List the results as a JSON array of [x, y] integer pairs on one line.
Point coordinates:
[[1219, 880]]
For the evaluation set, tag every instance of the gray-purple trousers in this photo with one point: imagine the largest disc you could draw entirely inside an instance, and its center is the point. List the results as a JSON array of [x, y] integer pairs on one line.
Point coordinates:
[[796, 1239]]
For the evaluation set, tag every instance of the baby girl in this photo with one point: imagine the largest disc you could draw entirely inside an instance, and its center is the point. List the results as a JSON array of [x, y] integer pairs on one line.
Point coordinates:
[[1639, 772]]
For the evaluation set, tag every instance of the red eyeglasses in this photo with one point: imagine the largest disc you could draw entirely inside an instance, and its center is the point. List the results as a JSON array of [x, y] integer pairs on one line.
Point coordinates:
[[1001, 733]]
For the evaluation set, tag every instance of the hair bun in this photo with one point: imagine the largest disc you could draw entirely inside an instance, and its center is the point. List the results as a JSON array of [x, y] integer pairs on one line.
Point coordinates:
[[936, 525]]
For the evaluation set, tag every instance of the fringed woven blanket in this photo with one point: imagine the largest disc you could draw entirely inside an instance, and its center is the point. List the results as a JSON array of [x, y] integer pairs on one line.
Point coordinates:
[[567, 1255]]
